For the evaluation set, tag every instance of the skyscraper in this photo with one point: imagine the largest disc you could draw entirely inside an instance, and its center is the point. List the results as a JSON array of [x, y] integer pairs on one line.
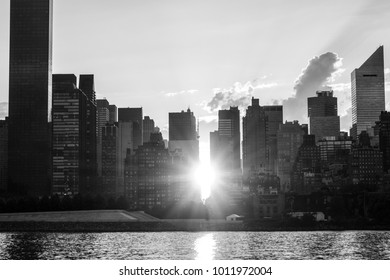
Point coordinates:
[[133, 115], [3, 155], [274, 114], [289, 139], [30, 96], [322, 113], [368, 93], [87, 86], [70, 156], [183, 134], [225, 148], [103, 117], [254, 139], [148, 126]]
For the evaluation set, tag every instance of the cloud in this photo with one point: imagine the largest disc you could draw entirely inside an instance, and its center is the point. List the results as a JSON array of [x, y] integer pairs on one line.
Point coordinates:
[[3, 110], [318, 74], [238, 95], [208, 119], [172, 94]]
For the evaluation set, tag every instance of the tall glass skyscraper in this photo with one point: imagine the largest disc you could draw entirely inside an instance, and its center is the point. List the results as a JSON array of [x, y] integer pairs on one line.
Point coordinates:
[[368, 93], [30, 96]]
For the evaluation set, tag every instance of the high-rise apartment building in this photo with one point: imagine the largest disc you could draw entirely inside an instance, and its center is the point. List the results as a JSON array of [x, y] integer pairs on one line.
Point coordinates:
[[368, 93], [87, 86], [183, 135], [254, 151], [113, 111], [103, 117], [274, 114], [289, 139], [322, 113], [384, 139], [225, 151], [30, 92], [3, 155], [110, 159], [306, 175], [70, 156], [133, 115], [152, 176], [149, 128]]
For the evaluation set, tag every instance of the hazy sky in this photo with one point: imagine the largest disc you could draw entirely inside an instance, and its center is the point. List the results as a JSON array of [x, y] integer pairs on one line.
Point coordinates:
[[168, 55]]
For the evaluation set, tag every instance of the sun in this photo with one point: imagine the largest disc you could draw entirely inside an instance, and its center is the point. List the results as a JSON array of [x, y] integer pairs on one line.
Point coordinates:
[[204, 177]]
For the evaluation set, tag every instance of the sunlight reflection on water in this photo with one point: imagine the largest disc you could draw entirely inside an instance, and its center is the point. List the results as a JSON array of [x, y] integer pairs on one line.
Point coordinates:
[[197, 245]]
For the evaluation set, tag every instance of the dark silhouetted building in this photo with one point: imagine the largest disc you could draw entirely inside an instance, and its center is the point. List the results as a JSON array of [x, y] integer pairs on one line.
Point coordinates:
[[29, 158], [225, 149], [254, 152], [306, 174], [289, 139], [366, 163], [70, 156], [322, 113], [368, 93], [103, 117], [87, 85], [3, 155], [110, 159], [274, 116], [152, 176], [133, 115], [148, 128], [226, 193], [183, 135], [113, 113], [384, 139]]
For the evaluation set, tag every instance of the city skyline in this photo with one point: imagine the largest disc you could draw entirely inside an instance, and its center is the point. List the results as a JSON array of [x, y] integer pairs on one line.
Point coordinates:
[[200, 61]]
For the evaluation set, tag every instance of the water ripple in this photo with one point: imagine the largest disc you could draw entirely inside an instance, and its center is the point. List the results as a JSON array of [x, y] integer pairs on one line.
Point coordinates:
[[197, 245]]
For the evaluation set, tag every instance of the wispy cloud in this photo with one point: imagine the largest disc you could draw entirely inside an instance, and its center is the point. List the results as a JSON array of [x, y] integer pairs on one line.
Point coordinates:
[[172, 94], [237, 95]]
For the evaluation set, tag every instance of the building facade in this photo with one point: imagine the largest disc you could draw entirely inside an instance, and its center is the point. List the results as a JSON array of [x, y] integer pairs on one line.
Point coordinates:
[[30, 93], [183, 135], [274, 116], [254, 152], [322, 113], [70, 169], [368, 93], [289, 139], [133, 115], [148, 128], [3, 155]]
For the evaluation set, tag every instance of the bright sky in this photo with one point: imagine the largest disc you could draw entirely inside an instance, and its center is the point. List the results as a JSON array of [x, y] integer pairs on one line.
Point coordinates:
[[168, 55]]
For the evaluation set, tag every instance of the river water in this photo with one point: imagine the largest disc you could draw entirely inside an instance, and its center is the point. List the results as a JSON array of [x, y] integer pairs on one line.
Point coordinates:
[[197, 245]]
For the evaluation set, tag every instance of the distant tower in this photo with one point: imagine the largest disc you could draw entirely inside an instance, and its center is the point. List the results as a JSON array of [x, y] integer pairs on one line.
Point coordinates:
[[368, 93], [30, 93], [322, 113]]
